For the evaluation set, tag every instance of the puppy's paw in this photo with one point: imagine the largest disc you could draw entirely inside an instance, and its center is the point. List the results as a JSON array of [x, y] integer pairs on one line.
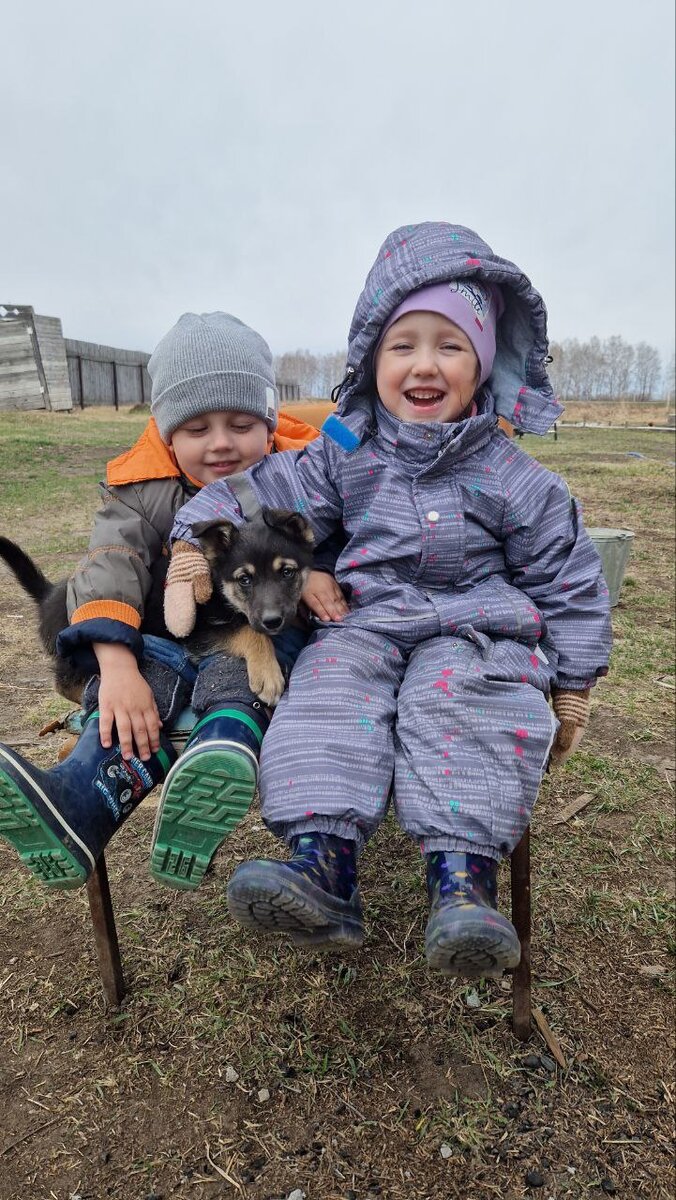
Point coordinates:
[[267, 681]]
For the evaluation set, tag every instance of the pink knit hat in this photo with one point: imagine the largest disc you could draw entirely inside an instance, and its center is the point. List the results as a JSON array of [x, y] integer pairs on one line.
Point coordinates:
[[474, 306]]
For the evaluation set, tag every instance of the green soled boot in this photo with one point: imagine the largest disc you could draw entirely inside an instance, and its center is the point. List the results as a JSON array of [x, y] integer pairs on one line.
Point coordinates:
[[206, 793], [60, 820]]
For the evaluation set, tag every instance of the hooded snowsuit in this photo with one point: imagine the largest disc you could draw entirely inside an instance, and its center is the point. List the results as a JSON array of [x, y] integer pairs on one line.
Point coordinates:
[[473, 586]]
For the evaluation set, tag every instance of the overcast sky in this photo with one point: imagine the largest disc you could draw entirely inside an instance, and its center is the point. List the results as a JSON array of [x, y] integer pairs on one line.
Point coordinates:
[[160, 156]]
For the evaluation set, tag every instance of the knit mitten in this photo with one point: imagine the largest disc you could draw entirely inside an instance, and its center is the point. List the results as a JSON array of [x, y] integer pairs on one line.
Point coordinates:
[[188, 584], [572, 710]]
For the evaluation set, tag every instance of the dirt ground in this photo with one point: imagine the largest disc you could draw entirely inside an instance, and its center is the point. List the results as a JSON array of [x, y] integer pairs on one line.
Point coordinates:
[[246, 1069]]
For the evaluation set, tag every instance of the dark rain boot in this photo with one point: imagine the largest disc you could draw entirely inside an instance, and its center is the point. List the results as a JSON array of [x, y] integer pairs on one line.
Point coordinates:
[[313, 898], [60, 820], [465, 934], [207, 793]]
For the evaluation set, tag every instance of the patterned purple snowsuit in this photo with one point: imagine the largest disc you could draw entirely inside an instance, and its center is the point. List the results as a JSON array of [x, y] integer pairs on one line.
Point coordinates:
[[473, 586]]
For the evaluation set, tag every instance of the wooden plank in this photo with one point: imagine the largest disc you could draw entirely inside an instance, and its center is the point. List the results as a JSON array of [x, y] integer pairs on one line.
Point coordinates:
[[21, 389], [550, 1038], [15, 345], [13, 324], [97, 382], [25, 405], [129, 385], [53, 351], [17, 370], [18, 361], [74, 379], [574, 807]]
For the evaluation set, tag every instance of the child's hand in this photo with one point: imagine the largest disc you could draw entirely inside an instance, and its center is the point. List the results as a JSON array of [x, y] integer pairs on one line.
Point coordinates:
[[188, 584], [572, 710], [323, 597], [125, 699]]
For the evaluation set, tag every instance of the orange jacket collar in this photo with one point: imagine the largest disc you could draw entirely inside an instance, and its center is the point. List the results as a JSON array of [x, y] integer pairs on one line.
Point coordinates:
[[151, 458]]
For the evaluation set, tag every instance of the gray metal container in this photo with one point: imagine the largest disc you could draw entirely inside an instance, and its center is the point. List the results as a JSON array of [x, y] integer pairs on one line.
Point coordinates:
[[613, 546]]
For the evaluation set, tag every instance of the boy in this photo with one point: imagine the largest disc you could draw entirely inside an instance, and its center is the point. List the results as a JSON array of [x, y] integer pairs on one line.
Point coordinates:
[[214, 413]]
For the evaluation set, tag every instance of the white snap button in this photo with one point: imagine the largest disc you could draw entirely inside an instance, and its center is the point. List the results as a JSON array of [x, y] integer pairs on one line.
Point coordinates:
[[433, 516]]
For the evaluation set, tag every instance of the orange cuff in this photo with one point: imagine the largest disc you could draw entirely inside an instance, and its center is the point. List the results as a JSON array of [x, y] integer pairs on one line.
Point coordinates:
[[113, 610]]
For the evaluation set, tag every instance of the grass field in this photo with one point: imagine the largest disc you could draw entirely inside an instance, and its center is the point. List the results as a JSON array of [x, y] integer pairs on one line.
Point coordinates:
[[246, 1069]]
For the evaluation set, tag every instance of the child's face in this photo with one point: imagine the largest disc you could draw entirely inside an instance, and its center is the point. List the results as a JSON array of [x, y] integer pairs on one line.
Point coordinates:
[[215, 445], [426, 368]]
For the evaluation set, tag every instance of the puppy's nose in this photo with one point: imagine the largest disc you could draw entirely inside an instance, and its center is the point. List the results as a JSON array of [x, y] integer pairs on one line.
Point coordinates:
[[272, 623]]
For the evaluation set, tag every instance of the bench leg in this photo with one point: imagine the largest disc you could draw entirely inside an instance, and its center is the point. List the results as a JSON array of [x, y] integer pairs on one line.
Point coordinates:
[[105, 934], [521, 920]]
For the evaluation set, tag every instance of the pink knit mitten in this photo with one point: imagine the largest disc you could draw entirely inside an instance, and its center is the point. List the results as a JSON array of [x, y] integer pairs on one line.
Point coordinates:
[[572, 710], [188, 584]]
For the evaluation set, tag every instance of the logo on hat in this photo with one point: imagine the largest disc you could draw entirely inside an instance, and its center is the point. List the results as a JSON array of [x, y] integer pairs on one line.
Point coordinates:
[[478, 297]]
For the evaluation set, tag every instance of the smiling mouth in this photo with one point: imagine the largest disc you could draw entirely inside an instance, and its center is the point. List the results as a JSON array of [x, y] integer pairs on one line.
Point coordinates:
[[424, 397]]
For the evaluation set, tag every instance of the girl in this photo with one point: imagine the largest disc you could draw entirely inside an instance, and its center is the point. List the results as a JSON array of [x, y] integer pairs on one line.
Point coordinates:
[[475, 595]]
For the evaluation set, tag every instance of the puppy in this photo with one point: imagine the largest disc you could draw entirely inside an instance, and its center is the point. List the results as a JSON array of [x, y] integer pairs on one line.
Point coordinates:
[[258, 570]]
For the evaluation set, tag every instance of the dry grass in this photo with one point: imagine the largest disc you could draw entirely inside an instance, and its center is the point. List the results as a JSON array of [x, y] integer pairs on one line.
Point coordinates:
[[620, 412], [247, 1069]]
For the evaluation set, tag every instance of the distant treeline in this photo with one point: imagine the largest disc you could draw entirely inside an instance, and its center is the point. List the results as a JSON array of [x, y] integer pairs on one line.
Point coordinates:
[[317, 374], [595, 370], [611, 369]]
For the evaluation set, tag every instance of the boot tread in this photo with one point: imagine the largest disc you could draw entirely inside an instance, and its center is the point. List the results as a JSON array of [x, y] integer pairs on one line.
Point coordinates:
[[204, 798], [272, 898], [474, 946], [38, 847]]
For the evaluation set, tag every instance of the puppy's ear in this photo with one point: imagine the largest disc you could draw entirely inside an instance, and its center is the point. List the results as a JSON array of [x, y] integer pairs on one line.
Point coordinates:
[[215, 537], [290, 523]]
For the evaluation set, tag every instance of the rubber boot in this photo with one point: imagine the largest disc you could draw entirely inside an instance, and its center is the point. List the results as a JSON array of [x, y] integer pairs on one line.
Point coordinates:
[[313, 898], [206, 793], [466, 935], [60, 820]]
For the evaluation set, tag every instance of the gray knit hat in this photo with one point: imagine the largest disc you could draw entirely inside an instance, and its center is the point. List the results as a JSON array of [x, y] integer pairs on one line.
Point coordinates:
[[211, 362]]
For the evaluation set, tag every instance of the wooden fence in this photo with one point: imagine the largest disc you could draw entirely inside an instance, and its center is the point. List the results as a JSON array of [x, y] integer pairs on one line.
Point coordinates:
[[39, 368], [103, 375]]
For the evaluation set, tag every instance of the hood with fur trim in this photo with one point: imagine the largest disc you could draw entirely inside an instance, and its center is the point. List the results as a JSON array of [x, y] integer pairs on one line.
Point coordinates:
[[415, 256]]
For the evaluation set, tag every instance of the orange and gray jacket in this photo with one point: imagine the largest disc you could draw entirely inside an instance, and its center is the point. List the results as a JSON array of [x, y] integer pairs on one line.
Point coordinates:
[[116, 591]]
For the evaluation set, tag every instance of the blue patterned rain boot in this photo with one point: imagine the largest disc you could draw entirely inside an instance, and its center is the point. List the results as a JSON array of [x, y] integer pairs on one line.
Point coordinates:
[[60, 820], [465, 934], [313, 898], [206, 793]]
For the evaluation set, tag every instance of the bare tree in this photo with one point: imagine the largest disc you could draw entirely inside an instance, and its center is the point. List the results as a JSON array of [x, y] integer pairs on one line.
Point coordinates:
[[316, 374], [647, 371], [619, 361], [612, 369]]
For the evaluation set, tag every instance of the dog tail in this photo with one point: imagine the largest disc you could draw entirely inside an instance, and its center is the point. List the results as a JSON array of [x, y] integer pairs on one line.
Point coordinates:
[[27, 572]]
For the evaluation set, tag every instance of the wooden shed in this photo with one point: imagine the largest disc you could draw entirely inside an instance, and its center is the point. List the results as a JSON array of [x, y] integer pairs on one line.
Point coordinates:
[[33, 368]]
